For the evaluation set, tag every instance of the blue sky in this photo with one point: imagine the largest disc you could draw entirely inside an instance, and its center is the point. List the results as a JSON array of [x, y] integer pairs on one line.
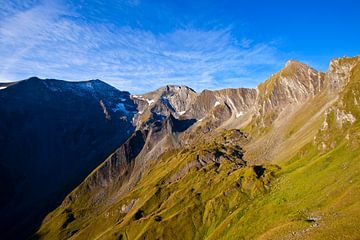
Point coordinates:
[[139, 45]]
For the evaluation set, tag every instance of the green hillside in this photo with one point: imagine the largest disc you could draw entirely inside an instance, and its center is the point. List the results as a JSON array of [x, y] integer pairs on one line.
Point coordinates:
[[217, 186]]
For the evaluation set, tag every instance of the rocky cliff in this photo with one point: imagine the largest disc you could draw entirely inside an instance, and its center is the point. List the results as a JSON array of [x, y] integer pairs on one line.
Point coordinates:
[[185, 169]]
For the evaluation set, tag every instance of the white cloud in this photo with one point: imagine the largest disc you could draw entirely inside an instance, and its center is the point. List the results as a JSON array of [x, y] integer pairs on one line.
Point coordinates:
[[49, 40]]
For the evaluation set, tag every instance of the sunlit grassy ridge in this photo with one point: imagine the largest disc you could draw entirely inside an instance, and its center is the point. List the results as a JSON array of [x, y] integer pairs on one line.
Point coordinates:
[[208, 190], [313, 195], [179, 197], [316, 192]]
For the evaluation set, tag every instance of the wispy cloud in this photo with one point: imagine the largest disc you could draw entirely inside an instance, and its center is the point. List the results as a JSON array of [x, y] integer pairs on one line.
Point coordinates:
[[50, 39]]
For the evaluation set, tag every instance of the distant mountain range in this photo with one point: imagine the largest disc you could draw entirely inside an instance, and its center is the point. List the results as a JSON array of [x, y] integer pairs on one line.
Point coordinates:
[[83, 160]]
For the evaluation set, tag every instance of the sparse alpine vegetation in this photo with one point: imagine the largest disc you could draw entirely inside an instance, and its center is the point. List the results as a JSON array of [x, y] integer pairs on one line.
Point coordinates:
[[280, 161]]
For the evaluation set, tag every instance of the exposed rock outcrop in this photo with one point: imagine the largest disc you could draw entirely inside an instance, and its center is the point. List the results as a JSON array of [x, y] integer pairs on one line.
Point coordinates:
[[276, 115]]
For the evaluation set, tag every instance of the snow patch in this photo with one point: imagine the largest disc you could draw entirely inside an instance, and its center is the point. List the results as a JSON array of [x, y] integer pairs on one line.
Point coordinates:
[[232, 105], [241, 113], [120, 107], [216, 103], [182, 112], [150, 101]]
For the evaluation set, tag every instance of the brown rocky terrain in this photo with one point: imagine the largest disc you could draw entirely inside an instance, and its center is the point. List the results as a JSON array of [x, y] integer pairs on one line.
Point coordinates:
[[179, 135]]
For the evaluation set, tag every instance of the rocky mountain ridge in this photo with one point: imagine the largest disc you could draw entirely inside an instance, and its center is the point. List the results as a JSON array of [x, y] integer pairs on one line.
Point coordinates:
[[277, 119], [263, 112], [52, 135]]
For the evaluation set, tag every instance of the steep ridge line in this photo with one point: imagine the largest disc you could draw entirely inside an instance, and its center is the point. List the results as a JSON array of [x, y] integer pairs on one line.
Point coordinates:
[[280, 120]]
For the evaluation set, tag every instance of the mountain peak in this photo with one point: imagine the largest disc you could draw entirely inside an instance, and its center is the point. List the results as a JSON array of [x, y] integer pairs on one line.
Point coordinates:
[[340, 69], [295, 82], [295, 65], [173, 87], [171, 144], [343, 61], [294, 69], [292, 62], [96, 81], [33, 78]]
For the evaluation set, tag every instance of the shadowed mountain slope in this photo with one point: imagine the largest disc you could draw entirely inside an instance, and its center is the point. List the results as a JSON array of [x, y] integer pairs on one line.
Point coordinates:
[[52, 135], [277, 162], [289, 173]]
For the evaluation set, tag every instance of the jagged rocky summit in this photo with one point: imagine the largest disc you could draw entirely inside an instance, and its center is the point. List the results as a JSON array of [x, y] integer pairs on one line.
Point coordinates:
[[175, 161]]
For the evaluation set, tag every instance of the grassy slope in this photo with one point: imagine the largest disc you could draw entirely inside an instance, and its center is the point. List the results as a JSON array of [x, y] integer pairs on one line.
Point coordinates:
[[311, 186], [174, 196], [317, 191], [211, 204], [312, 195]]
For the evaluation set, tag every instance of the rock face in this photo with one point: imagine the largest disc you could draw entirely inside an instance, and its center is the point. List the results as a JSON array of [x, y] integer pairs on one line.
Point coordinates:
[[171, 99], [122, 169], [133, 132], [292, 85], [239, 101], [52, 135], [295, 83], [179, 126], [177, 98], [339, 72]]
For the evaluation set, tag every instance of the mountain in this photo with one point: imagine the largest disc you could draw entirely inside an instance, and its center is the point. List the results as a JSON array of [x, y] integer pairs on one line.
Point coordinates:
[[52, 135], [280, 161]]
